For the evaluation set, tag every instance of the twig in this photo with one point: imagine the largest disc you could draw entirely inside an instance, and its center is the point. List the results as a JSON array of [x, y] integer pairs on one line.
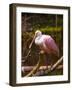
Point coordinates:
[[57, 63]]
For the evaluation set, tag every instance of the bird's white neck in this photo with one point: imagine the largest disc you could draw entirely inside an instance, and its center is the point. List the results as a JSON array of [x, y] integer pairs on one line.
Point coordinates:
[[38, 37], [38, 40]]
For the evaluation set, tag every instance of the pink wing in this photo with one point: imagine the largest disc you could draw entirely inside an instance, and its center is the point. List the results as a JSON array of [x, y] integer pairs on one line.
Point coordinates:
[[51, 45]]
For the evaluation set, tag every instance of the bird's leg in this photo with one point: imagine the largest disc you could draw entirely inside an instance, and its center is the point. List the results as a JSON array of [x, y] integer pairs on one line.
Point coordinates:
[[48, 62], [50, 57], [44, 59]]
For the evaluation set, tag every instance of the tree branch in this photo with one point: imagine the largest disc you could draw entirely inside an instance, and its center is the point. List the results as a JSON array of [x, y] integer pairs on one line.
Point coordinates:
[[29, 68], [57, 63], [33, 72]]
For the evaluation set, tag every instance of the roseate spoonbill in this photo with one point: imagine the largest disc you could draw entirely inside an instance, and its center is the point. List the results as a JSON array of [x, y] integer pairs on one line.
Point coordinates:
[[46, 43]]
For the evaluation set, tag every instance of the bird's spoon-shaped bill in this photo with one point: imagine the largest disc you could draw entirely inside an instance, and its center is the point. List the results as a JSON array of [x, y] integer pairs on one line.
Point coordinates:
[[32, 41]]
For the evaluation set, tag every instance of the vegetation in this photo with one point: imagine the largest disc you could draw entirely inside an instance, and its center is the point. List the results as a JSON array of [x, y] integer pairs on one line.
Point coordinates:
[[49, 24]]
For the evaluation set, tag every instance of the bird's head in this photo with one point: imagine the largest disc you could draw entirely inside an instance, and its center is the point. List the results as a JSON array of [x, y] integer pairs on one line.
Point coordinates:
[[38, 33]]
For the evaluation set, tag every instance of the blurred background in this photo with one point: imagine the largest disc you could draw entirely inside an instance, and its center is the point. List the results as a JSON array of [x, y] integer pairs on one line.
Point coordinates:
[[49, 24]]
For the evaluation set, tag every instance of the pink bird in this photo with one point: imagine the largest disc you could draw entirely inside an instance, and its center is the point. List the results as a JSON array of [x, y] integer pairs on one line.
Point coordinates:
[[46, 43]]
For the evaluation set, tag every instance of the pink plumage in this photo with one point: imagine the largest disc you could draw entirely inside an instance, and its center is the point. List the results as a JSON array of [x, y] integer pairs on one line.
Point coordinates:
[[46, 43], [50, 46]]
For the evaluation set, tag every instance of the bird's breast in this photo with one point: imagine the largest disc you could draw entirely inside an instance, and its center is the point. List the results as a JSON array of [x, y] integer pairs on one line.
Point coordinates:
[[39, 41]]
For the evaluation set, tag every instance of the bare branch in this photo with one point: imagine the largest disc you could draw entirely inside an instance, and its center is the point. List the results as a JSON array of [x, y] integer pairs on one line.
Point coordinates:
[[29, 68], [36, 68], [57, 63]]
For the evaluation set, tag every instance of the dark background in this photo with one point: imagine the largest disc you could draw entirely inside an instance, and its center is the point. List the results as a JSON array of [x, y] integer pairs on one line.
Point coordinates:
[[50, 24]]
